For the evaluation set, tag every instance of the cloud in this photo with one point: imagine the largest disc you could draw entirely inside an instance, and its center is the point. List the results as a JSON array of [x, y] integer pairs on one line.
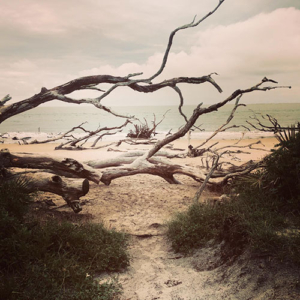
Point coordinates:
[[46, 43], [30, 16], [267, 42], [259, 45], [242, 53]]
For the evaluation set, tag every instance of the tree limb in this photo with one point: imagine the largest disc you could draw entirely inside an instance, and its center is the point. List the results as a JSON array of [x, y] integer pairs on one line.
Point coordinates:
[[71, 189], [62, 166], [91, 82]]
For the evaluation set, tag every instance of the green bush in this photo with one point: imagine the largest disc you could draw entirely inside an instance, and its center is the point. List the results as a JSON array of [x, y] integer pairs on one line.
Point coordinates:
[[282, 171], [264, 215], [13, 200], [251, 220], [54, 261], [194, 228]]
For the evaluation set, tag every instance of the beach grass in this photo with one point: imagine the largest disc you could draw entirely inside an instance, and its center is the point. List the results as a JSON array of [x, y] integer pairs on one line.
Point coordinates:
[[54, 260], [263, 212]]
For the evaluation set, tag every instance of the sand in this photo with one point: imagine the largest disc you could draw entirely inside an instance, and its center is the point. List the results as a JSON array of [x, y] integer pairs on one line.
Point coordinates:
[[141, 205]]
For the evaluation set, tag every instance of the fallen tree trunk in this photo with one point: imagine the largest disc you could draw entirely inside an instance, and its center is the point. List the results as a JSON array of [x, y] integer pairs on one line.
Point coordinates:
[[48, 174], [129, 165], [152, 166], [126, 158], [61, 166], [71, 189]]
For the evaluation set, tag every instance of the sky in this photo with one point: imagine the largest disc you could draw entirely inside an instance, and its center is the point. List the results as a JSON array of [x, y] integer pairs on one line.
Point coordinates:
[[47, 43]]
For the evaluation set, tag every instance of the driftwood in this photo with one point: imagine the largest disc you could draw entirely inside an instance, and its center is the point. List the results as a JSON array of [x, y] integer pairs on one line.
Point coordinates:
[[73, 144], [71, 189], [143, 130], [65, 167], [272, 126], [153, 166], [143, 85], [130, 165], [148, 163], [49, 174], [126, 158], [5, 99]]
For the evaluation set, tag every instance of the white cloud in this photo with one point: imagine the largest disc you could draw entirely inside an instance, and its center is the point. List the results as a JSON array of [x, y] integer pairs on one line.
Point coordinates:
[[259, 45], [242, 53], [46, 43]]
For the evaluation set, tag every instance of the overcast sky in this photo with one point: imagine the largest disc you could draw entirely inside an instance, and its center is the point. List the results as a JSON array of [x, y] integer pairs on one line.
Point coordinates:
[[47, 43]]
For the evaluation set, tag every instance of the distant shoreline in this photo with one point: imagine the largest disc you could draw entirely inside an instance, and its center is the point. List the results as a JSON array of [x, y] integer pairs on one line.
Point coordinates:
[[62, 119], [84, 155]]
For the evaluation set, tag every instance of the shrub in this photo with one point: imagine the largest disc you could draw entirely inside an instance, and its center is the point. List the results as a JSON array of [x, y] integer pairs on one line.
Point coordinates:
[[250, 220], [265, 215], [194, 228], [54, 261], [282, 172]]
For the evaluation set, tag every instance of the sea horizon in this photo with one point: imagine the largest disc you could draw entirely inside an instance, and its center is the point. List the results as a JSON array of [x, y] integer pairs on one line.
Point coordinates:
[[53, 120]]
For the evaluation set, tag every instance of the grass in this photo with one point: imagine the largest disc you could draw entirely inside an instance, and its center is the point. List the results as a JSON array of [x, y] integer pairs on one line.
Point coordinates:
[[54, 260], [252, 220], [265, 215]]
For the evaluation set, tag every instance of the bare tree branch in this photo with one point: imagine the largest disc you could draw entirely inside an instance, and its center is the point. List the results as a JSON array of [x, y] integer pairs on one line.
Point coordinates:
[[171, 37], [200, 111], [273, 127], [221, 128], [208, 176], [91, 82], [5, 99], [62, 166], [146, 163], [90, 134]]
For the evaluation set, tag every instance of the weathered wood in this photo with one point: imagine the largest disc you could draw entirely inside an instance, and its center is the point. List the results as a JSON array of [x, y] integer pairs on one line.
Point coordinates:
[[71, 189], [147, 163], [61, 166], [73, 144], [125, 158], [143, 85], [131, 165], [153, 166], [5, 99]]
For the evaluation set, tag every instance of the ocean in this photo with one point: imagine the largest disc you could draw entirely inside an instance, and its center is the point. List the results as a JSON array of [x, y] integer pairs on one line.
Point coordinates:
[[54, 120]]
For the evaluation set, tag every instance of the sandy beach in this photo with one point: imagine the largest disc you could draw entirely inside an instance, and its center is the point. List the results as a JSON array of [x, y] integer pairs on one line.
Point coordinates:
[[141, 205], [48, 148]]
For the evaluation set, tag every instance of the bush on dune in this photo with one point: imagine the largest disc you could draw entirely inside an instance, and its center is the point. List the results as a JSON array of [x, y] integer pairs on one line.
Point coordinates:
[[54, 261], [265, 215]]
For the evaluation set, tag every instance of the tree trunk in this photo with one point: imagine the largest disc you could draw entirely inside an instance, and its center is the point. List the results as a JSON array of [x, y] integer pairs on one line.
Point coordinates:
[[71, 189], [152, 166], [61, 166]]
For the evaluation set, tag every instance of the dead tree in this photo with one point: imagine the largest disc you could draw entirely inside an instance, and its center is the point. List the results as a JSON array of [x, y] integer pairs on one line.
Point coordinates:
[[143, 130], [258, 123], [58, 176], [146, 163]]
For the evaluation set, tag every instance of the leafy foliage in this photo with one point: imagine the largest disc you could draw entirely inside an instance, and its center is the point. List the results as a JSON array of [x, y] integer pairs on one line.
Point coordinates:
[[54, 261], [282, 172]]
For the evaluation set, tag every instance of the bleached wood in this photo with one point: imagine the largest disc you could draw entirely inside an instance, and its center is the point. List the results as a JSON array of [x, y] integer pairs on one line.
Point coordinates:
[[61, 166], [71, 189]]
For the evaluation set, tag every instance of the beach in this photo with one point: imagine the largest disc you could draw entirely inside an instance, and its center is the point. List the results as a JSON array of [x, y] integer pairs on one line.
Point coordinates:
[[140, 205], [140, 199]]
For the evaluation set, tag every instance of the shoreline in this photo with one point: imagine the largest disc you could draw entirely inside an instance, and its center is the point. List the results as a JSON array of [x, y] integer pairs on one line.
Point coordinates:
[[267, 143]]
